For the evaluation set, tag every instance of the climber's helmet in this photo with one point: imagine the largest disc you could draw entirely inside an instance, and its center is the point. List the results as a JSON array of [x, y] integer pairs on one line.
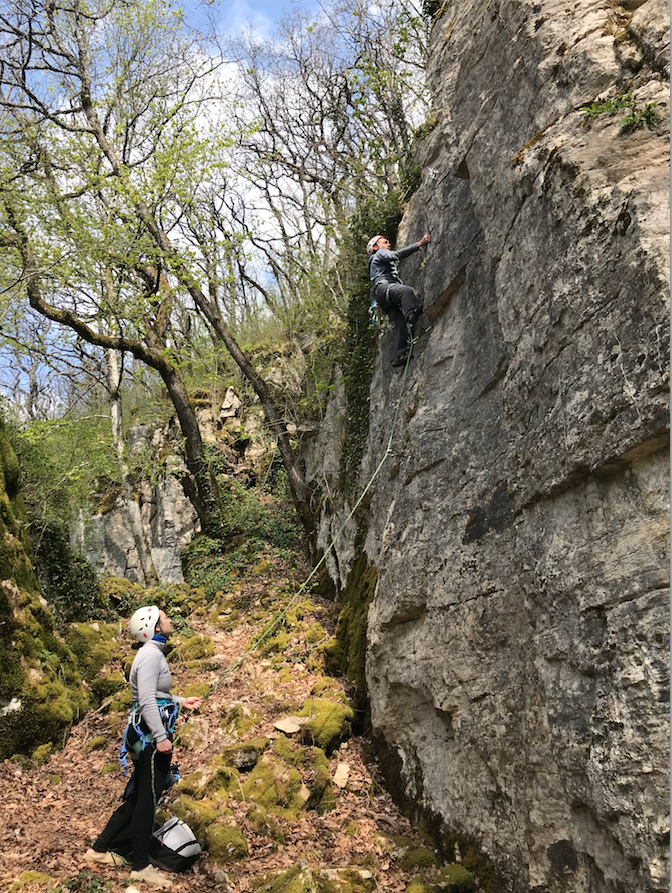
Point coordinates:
[[372, 244], [143, 623]]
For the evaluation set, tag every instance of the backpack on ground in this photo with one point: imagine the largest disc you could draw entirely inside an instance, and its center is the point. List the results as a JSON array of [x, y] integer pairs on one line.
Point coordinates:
[[173, 846]]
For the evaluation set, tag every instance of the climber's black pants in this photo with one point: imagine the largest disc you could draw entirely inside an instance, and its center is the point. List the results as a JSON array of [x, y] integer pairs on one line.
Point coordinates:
[[129, 830], [398, 301]]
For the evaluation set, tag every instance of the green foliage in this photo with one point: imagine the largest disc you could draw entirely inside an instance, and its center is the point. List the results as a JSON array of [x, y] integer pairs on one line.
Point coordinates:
[[245, 525], [635, 120], [67, 580], [607, 106], [61, 460], [85, 882], [648, 117]]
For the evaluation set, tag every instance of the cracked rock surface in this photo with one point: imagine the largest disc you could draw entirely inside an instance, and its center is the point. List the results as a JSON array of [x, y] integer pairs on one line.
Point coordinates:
[[517, 658]]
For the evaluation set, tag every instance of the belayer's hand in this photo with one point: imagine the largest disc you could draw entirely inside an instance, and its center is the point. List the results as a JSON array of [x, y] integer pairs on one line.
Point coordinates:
[[192, 703], [164, 746]]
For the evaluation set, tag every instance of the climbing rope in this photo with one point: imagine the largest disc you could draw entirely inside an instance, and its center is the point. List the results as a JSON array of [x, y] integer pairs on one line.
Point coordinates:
[[264, 635]]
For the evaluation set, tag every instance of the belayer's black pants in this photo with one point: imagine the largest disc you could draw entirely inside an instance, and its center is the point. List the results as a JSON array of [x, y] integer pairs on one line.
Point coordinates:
[[129, 830], [399, 302]]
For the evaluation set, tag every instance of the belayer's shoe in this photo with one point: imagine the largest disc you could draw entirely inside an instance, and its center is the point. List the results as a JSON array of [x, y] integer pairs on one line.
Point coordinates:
[[108, 858], [400, 360], [152, 878]]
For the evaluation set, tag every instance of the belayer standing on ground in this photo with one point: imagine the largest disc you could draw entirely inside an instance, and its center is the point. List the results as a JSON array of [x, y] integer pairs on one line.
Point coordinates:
[[148, 738], [399, 301]]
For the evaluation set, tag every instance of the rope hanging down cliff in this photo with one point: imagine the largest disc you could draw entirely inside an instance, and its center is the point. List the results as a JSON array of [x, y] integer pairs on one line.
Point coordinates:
[[388, 452]]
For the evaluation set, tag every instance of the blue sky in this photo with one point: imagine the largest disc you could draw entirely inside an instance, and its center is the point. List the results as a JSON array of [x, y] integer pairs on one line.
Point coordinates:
[[263, 15]]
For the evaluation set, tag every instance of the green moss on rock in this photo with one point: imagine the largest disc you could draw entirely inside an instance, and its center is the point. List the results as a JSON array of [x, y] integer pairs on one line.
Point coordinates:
[[451, 879], [276, 644], [275, 786], [322, 796], [97, 743], [27, 878], [328, 723], [295, 756], [40, 684], [198, 814], [192, 784], [221, 779], [41, 754], [239, 719], [245, 755], [409, 855], [346, 655], [105, 686], [263, 825], [92, 644], [225, 843], [196, 648]]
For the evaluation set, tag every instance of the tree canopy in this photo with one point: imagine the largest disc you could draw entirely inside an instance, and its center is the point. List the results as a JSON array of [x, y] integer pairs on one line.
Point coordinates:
[[159, 182]]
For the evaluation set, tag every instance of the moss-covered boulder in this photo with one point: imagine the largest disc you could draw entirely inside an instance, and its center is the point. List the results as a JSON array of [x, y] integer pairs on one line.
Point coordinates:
[[195, 648], [104, 687], [276, 787], [322, 796], [92, 643], [328, 723], [263, 825], [221, 779], [41, 694], [238, 720], [244, 755], [225, 842], [198, 814], [451, 879], [298, 879], [41, 754], [410, 855]]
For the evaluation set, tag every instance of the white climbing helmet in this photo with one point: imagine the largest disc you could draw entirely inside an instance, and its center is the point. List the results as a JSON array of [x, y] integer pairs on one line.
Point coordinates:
[[143, 623], [372, 244]]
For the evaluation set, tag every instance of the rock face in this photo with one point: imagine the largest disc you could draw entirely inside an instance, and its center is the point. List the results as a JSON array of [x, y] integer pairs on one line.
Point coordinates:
[[517, 659], [169, 518]]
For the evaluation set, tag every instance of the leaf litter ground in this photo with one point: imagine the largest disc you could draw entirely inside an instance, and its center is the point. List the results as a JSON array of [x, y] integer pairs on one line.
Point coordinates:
[[50, 814]]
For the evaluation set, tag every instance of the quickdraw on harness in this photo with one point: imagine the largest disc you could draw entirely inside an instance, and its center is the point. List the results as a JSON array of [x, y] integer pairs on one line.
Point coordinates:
[[168, 711]]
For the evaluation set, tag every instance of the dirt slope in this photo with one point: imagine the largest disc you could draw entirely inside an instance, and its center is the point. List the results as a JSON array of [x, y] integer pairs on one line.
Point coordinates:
[[50, 814]]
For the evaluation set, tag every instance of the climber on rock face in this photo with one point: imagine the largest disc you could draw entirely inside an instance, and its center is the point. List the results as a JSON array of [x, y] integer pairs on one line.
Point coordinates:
[[399, 301]]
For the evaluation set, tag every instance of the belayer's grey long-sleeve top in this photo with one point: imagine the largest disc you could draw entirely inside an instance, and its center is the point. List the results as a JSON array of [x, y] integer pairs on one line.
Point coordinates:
[[383, 263], [151, 680]]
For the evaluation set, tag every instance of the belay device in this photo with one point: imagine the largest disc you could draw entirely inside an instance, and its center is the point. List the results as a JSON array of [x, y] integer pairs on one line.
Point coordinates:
[[173, 847]]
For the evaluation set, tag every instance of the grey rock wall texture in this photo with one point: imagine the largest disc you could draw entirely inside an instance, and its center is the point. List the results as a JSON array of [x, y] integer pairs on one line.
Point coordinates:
[[106, 539], [517, 656]]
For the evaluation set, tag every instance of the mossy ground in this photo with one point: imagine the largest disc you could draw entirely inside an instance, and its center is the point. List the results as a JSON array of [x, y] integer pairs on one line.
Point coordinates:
[[254, 796]]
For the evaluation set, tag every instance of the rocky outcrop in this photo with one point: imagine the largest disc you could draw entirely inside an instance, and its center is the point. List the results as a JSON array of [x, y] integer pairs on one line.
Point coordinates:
[[41, 693], [106, 539], [240, 446], [517, 658]]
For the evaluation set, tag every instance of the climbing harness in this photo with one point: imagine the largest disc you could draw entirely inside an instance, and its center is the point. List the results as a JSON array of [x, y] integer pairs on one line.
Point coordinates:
[[168, 711], [388, 452]]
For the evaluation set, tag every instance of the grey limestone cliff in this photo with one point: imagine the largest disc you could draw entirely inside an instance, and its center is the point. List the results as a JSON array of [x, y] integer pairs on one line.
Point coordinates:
[[517, 659]]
